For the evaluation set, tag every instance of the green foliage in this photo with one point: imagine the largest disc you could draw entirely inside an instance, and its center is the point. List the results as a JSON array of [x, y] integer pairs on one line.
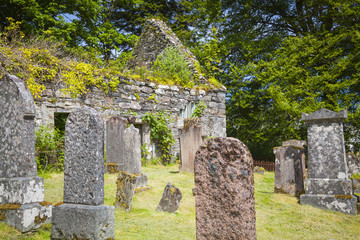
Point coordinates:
[[355, 176], [161, 134], [199, 110], [49, 147], [171, 64]]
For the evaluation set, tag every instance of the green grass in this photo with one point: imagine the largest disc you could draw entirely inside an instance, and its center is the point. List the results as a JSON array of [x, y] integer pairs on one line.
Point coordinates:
[[278, 216]]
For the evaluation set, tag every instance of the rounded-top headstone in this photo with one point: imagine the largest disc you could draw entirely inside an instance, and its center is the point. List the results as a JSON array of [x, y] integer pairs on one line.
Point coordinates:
[[17, 129], [84, 158], [224, 190]]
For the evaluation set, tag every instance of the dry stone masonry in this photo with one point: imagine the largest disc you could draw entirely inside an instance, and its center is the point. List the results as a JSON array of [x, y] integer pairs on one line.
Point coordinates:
[[224, 190], [21, 190], [191, 137], [82, 216], [327, 185], [289, 168], [170, 200]]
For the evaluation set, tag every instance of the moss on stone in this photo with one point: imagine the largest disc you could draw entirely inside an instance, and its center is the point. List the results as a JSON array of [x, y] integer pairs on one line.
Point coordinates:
[[9, 206], [58, 204], [343, 196], [38, 219], [45, 203]]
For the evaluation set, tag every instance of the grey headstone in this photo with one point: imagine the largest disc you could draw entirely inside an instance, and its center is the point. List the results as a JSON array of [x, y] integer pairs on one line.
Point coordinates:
[[126, 184], [170, 200], [289, 173], [327, 185], [353, 163], [84, 158], [17, 129], [123, 145]]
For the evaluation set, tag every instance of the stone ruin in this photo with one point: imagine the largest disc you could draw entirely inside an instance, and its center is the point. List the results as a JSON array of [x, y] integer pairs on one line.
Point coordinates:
[[21, 191], [83, 215], [191, 138], [327, 185], [290, 167], [123, 149], [224, 190]]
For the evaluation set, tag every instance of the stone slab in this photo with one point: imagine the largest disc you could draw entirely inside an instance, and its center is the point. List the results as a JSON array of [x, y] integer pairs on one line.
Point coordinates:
[[21, 190], [84, 158], [339, 203], [328, 186], [170, 200], [141, 181], [125, 189], [17, 129], [224, 190], [77, 221], [28, 217]]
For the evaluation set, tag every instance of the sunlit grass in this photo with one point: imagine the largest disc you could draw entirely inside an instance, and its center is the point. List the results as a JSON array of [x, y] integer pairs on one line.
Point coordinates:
[[278, 216]]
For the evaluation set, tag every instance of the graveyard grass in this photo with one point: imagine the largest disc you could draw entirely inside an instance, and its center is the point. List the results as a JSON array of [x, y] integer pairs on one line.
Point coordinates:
[[278, 216]]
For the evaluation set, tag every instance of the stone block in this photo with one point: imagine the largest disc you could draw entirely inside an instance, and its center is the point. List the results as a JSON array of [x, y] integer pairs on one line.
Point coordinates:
[[224, 190], [170, 200], [84, 158], [328, 186], [21, 190], [28, 216], [77, 221], [339, 203]]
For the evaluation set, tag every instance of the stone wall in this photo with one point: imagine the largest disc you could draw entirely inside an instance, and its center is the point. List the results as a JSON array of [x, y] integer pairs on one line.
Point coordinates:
[[137, 98]]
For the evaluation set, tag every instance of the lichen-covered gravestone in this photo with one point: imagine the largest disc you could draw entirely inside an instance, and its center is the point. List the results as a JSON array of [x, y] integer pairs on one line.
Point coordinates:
[[353, 163], [125, 187], [170, 200], [289, 172], [21, 190], [123, 148], [190, 138], [327, 185], [83, 215], [224, 190]]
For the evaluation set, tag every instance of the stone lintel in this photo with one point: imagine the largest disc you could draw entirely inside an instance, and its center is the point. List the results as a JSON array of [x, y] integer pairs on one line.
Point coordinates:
[[77, 221], [340, 203], [324, 115], [28, 217], [328, 186], [21, 190]]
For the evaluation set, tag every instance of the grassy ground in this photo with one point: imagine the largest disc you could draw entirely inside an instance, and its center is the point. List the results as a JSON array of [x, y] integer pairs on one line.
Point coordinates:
[[278, 216]]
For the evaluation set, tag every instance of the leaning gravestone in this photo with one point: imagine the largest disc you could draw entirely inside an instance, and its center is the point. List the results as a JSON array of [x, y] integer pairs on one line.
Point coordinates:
[[125, 188], [190, 140], [289, 172], [327, 185], [123, 148], [83, 215], [21, 190], [170, 200], [224, 190]]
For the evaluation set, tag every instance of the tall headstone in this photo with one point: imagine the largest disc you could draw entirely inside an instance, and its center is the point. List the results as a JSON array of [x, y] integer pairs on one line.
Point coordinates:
[[224, 190], [83, 215], [190, 140], [20, 187], [123, 148], [289, 168], [327, 185]]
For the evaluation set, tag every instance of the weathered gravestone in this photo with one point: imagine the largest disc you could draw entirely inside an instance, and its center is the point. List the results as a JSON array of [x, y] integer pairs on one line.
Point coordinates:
[[289, 168], [353, 163], [126, 184], [82, 216], [224, 190], [170, 200], [123, 148], [190, 140], [327, 185], [21, 190]]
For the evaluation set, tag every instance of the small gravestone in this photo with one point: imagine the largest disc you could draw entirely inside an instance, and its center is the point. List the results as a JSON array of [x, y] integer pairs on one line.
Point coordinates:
[[170, 199], [82, 216], [126, 184], [123, 148], [21, 190], [190, 140], [327, 185], [259, 170], [353, 163], [289, 172], [224, 190]]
